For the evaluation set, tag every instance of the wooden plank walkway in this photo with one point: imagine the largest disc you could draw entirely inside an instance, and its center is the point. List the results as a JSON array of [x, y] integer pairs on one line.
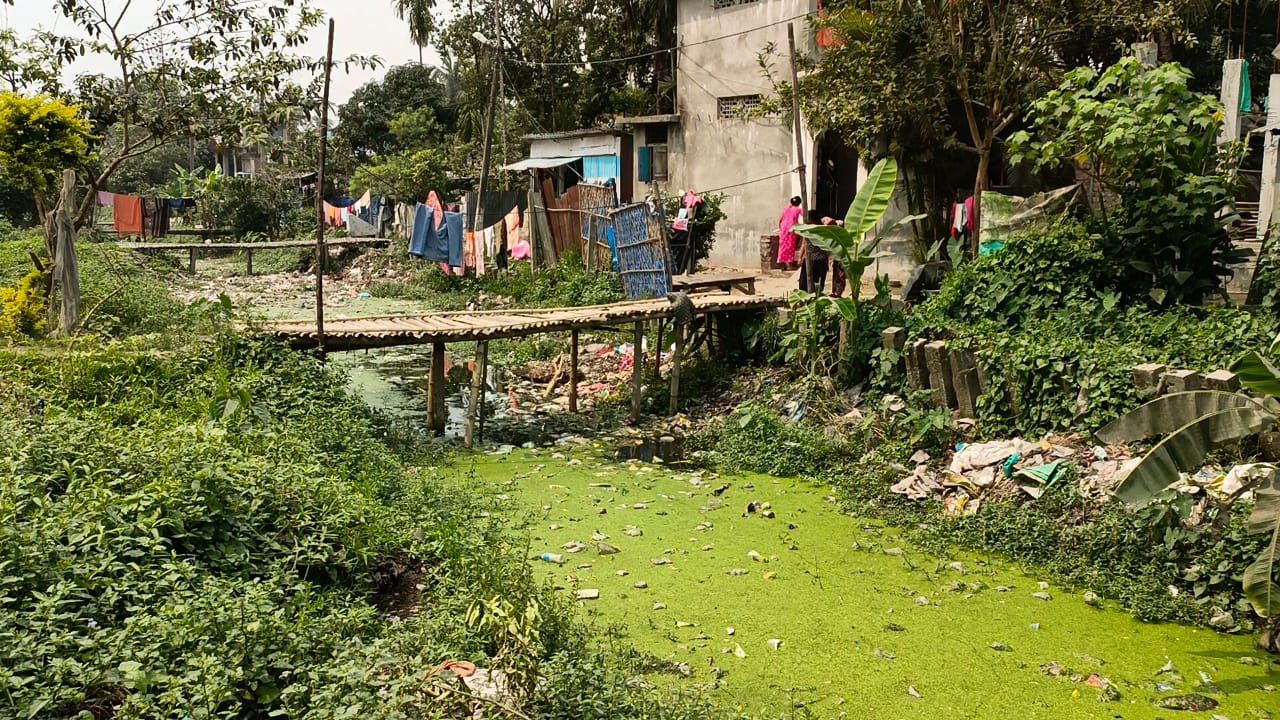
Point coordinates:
[[724, 282], [446, 327], [193, 247], [483, 326]]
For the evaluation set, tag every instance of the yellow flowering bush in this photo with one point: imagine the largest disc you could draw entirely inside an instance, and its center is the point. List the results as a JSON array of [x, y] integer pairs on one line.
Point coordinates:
[[22, 308]]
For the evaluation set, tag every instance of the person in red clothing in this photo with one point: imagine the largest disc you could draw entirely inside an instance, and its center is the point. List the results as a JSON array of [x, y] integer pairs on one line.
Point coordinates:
[[788, 240]]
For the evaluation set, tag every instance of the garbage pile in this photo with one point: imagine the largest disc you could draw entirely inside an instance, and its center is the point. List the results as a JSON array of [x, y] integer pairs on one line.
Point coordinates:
[[1005, 468], [1000, 469]]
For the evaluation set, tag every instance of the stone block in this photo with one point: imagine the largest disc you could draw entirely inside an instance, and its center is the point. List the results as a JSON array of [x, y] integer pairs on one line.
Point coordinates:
[[1223, 380], [893, 338], [1183, 381], [964, 378], [1148, 376], [917, 371], [938, 360]]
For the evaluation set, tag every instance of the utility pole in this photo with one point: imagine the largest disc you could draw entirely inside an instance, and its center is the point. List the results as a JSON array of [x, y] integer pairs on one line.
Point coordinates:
[[795, 120], [495, 51], [321, 252]]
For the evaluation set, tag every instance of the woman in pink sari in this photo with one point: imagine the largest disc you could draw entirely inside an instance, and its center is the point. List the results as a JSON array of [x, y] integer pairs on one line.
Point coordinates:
[[787, 239]]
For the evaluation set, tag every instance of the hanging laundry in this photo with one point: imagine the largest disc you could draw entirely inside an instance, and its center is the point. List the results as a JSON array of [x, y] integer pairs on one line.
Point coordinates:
[[128, 214], [468, 249], [433, 202], [155, 217], [521, 250], [453, 228], [428, 241], [106, 199]]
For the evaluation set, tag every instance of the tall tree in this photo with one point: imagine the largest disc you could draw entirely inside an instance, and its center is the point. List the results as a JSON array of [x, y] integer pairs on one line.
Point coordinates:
[[923, 79], [418, 15], [185, 68]]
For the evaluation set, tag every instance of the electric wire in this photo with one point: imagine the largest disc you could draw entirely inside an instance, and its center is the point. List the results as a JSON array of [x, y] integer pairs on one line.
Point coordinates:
[[651, 53]]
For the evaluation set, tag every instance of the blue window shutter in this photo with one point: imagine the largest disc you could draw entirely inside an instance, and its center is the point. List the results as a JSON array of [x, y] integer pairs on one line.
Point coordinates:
[[644, 159]]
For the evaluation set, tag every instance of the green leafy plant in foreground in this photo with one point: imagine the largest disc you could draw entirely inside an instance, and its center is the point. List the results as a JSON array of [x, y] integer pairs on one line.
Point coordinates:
[[807, 337], [1194, 423]]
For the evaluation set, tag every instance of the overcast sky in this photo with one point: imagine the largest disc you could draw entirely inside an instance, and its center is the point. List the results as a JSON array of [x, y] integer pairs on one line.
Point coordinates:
[[364, 27]]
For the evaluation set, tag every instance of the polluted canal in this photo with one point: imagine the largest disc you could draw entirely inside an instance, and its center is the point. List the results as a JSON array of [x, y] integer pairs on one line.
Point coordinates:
[[761, 592]]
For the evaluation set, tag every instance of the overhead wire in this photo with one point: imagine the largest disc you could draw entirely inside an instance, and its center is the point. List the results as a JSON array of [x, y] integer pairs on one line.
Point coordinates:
[[651, 53]]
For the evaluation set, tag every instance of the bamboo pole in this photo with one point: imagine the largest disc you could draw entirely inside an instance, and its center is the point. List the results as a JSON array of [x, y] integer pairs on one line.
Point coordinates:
[[477, 391], [796, 124], [573, 371], [675, 369], [637, 365], [436, 412], [321, 252]]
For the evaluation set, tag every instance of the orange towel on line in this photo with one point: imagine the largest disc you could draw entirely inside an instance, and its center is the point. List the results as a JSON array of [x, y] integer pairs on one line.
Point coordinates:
[[128, 214]]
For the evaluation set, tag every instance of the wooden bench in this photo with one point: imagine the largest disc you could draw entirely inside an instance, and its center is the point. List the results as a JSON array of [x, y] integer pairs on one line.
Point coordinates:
[[248, 248], [725, 282]]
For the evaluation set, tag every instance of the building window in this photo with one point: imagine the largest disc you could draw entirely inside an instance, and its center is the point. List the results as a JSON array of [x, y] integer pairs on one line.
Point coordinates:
[[737, 106], [722, 4], [659, 163]]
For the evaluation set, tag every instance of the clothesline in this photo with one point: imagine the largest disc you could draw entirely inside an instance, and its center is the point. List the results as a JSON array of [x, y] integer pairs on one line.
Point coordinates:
[[749, 182]]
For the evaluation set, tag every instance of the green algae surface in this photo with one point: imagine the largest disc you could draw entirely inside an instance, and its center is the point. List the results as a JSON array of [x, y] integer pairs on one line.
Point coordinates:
[[815, 613]]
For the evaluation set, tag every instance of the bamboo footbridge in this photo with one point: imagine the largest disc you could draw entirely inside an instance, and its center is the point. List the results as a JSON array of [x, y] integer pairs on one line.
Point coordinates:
[[481, 326]]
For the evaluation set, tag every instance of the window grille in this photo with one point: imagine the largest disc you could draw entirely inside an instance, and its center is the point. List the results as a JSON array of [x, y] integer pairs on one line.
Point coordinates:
[[723, 4], [737, 106]]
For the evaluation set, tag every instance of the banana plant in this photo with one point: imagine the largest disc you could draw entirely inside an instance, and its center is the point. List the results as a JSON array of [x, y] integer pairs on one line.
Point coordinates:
[[1193, 424], [848, 245]]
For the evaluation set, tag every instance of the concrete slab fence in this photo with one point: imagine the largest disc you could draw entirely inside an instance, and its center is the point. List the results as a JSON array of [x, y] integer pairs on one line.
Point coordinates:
[[956, 380]]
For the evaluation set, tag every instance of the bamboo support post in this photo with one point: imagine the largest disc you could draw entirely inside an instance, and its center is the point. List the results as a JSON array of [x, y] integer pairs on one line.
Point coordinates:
[[249, 258], [637, 366], [660, 344], [484, 381], [477, 392], [192, 263], [675, 369], [436, 412], [573, 371]]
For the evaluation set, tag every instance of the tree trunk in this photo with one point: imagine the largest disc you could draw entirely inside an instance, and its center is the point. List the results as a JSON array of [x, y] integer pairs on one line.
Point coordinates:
[[980, 183], [61, 235]]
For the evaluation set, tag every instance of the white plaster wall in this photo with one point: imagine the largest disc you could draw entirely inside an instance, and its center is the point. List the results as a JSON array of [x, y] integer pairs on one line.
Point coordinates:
[[576, 146], [707, 152]]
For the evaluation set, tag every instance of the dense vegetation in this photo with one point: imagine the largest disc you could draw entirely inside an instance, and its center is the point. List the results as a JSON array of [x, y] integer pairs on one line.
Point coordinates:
[[221, 530]]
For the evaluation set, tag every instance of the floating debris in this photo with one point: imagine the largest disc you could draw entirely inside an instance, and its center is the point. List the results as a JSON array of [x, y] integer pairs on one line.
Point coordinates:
[[622, 573], [661, 561], [738, 651], [884, 654], [1053, 668], [912, 691], [640, 585], [1091, 599], [1193, 702], [659, 606], [1000, 647], [736, 571], [588, 594], [775, 643], [606, 549], [1041, 596], [632, 531], [894, 627]]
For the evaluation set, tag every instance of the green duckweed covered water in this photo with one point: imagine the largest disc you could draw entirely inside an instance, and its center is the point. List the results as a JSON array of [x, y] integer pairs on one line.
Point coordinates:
[[861, 629]]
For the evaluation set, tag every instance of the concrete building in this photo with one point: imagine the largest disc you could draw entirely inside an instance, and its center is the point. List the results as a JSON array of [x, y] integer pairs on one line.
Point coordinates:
[[718, 141]]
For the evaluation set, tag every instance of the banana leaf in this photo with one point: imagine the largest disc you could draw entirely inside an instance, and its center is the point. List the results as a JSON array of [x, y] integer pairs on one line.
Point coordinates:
[[1259, 584], [872, 200], [1186, 447], [1168, 413], [1257, 374]]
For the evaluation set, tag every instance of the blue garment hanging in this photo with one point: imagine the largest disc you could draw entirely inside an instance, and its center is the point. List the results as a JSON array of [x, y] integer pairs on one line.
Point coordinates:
[[452, 226], [425, 240]]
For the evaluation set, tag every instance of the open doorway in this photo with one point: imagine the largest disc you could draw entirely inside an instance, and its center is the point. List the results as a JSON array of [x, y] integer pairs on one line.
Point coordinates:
[[837, 176]]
